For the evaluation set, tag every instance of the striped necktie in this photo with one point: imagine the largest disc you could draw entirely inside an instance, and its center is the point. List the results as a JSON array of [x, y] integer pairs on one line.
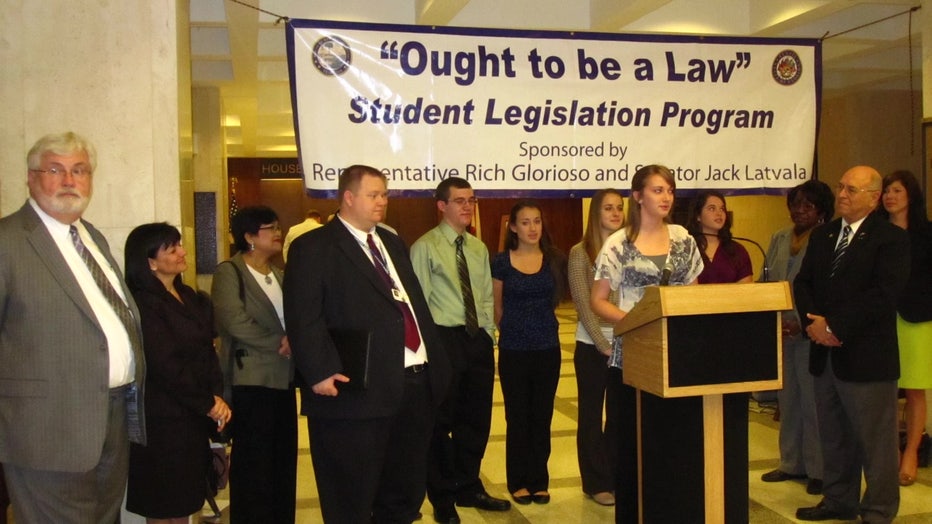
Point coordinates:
[[840, 250], [469, 302], [113, 298]]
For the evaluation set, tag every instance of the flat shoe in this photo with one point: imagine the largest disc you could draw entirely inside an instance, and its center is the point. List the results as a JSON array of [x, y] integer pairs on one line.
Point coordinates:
[[524, 500], [604, 498], [907, 480], [540, 498], [779, 476]]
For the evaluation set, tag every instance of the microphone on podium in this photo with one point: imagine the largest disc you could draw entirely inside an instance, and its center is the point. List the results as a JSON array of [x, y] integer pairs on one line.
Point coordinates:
[[665, 275], [765, 271]]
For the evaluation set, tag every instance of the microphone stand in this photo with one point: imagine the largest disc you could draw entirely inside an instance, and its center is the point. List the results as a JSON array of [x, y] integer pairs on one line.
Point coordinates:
[[765, 271]]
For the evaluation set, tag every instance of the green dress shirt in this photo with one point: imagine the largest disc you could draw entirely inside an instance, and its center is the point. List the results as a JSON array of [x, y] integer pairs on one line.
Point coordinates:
[[434, 260]]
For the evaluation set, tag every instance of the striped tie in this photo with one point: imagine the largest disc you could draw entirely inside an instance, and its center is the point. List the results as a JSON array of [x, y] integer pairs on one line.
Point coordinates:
[[472, 320], [840, 250], [113, 298]]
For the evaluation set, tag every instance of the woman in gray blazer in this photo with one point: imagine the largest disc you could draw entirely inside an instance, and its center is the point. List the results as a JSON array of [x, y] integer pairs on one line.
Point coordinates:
[[810, 204], [256, 359]]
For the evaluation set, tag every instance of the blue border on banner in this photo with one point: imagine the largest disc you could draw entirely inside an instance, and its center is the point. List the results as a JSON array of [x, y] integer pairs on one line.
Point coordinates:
[[293, 24]]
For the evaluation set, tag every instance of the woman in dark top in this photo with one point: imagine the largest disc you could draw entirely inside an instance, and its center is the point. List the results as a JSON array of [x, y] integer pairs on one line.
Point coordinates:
[[904, 206], [723, 259], [183, 383], [527, 283]]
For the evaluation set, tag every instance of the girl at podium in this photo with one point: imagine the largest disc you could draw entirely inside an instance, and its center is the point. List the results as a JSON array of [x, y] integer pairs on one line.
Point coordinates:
[[648, 251]]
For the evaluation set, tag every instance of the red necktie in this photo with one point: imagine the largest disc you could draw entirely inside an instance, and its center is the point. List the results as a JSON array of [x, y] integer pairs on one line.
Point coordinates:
[[412, 338]]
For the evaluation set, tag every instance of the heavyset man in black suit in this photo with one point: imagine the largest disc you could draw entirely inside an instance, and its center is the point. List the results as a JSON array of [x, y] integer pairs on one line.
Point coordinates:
[[846, 292], [368, 446]]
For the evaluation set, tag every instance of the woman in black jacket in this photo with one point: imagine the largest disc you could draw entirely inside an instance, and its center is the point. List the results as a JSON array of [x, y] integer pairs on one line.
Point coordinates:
[[183, 383]]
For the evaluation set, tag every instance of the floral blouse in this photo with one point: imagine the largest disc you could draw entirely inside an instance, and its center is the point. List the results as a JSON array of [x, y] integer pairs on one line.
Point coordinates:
[[629, 272]]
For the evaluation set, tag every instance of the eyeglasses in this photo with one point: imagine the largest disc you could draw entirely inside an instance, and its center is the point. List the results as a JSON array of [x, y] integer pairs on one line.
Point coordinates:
[[803, 206], [851, 190], [463, 201], [60, 171], [273, 227]]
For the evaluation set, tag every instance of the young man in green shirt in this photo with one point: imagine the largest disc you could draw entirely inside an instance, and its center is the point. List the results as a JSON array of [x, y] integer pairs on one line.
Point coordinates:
[[452, 266]]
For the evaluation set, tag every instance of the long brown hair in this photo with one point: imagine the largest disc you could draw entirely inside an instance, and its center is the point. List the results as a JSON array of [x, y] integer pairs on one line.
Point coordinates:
[[553, 257], [592, 236], [638, 181]]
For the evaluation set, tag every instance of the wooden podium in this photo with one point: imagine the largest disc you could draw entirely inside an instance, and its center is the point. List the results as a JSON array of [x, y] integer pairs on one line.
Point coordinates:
[[702, 341]]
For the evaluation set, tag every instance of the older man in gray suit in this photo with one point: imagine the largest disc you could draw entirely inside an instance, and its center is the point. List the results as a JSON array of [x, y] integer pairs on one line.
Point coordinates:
[[71, 363]]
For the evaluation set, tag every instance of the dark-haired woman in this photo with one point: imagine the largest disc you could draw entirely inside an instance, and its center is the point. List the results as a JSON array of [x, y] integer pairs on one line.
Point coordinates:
[[810, 204], [595, 435], [904, 206], [256, 361], [527, 284], [724, 260], [183, 383]]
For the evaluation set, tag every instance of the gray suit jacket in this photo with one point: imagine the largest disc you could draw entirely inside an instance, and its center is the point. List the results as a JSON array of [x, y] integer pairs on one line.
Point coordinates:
[[250, 324], [54, 363], [778, 260]]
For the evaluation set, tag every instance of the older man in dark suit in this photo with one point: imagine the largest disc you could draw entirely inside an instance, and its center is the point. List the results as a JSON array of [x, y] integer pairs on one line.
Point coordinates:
[[846, 293], [71, 364], [368, 444]]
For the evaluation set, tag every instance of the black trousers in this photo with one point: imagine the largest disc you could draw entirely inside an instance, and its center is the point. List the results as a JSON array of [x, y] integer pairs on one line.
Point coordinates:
[[374, 469], [596, 444], [264, 461], [463, 420], [529, 383]]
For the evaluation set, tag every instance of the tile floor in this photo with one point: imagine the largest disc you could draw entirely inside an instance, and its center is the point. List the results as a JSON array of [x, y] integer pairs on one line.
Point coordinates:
[[770, 503]]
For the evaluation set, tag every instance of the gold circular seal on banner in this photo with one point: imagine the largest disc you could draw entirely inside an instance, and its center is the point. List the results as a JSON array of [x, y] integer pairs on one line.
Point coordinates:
[[787, 67], [332, 56]]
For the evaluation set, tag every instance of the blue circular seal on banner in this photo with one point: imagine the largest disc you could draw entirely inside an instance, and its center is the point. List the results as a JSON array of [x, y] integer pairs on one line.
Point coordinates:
[[787, 67], [332, 56]]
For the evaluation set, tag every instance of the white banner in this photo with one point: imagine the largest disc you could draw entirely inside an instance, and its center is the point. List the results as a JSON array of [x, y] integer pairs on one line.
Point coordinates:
[[547, 113]]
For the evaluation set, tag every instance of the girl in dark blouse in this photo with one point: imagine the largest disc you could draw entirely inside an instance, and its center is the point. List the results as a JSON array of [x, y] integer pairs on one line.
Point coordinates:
[[527, 283], [724, 260]]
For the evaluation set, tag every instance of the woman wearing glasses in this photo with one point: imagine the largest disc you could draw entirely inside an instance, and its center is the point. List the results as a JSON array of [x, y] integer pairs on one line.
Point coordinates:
[[810, 204], [904, 206], [256, 359]]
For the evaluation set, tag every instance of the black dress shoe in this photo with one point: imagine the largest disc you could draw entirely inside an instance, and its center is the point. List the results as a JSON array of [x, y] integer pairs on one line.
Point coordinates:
[[821, 512], [540, 498], [483, 501], [779, 476], [446, 515], [814, 487]]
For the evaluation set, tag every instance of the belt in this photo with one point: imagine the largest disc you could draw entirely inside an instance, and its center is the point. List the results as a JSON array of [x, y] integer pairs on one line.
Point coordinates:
[[122, 388], [416, 369]]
